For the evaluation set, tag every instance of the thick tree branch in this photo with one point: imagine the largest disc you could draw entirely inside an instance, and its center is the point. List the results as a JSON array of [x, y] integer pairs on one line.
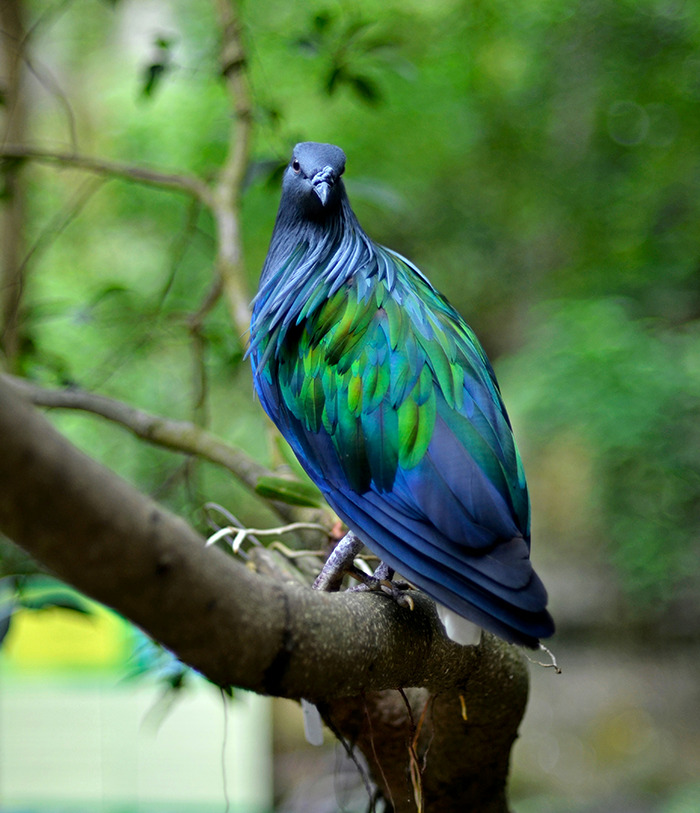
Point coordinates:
[[186, 184], [237, 627]]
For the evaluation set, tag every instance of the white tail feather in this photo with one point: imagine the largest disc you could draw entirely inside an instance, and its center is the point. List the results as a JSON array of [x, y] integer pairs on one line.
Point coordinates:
[[459, 629]]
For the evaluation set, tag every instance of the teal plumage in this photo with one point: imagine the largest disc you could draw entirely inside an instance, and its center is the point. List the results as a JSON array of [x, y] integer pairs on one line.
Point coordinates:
[[389, 402]]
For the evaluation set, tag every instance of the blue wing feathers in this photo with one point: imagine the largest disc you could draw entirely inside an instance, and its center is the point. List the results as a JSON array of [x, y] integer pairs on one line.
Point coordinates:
[[464, 588]]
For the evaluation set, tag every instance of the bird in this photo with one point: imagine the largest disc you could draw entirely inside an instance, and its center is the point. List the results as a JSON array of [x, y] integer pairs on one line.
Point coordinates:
[[392, 407]]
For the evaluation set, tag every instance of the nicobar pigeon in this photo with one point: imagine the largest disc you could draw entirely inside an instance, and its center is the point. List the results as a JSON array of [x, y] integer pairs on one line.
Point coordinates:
[[388, 400]]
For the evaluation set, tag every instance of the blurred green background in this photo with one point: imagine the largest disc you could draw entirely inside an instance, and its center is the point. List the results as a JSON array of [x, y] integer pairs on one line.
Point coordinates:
[[540, 162]]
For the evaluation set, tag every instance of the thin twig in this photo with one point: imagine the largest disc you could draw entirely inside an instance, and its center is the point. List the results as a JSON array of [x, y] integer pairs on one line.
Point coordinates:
[[200, 381], [175, 182], [179, 246], [60, 222], [196, 320], [414, 762], [377, 761]]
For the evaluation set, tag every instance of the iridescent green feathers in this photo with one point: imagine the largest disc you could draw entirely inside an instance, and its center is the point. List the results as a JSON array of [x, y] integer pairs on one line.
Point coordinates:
[[371, 365]]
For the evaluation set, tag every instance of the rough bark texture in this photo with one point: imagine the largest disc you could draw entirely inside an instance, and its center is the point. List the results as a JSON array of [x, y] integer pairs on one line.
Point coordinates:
[[463, 763], [349, 652]]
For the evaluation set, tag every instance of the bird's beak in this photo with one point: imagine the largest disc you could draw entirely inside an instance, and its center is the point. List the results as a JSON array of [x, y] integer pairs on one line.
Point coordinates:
[[323, 190], [323, 183]]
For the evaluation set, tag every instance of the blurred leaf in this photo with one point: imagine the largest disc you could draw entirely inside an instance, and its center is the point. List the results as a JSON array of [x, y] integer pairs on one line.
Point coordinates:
[[60, 599], [7, 606], [291, 492], [353, 30], [153, 74], [366, 88], [157, 69], [321, 21], [335, 75], [308, 46], [110, 289], [6, 614]]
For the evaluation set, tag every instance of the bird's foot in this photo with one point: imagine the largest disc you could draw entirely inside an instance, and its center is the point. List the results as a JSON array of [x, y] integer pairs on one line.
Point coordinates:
[[341, 562], [338, 563], [381, 581]]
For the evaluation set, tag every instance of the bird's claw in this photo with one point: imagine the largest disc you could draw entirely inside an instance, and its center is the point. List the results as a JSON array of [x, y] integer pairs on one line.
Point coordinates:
[[340, 562], [398, 591]]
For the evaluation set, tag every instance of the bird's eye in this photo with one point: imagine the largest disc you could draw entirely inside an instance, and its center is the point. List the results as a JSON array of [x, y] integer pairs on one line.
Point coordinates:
[[296, 166]]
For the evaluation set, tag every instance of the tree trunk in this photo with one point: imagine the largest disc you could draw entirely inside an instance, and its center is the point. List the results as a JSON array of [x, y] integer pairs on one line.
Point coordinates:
[[12, 194]]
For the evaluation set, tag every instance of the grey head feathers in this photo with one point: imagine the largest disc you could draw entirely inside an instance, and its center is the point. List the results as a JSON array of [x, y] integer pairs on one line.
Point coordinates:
[[312, 188]]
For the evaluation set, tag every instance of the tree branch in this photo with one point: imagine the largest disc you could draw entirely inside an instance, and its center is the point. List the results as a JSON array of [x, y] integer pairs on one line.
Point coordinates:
[[186, 184], [237, 627], [463, 763], [226, 197], [13, 206]]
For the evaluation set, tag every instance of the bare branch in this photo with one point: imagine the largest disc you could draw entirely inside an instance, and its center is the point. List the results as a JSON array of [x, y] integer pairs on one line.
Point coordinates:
[[227, 192], [185, 184], [233, 68]]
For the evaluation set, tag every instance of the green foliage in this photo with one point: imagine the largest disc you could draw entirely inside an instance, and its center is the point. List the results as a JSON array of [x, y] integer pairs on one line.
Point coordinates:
[[630, 389], [350, 49]]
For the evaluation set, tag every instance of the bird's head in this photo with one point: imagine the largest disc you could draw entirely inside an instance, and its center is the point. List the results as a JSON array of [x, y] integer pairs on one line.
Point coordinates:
[[312, 184]]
